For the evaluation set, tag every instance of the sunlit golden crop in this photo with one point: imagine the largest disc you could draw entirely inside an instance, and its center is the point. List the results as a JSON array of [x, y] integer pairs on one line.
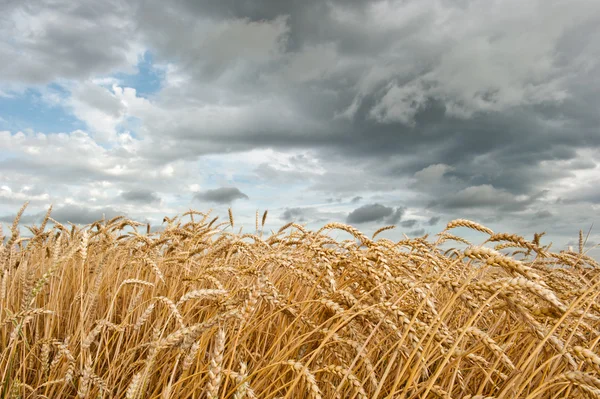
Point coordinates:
[[111, 310]]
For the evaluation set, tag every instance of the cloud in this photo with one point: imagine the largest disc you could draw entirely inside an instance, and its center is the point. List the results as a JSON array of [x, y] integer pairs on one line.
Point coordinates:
[[418, 232], [450, 107], [25, 219], [433, 221], [356, 199], [75, 157], [83, 215], [585, 193], [141, 196], [369, 213], [408, 223], [543, 214], [432, 174], [275, 175], [479, 196], [484, 196], [252, 93], [100, 109], [69, 213], [396, 216], [26, 193], [222, 195], [588, 244], [65, 40], [400, 103], [310, 215], [297, 214]]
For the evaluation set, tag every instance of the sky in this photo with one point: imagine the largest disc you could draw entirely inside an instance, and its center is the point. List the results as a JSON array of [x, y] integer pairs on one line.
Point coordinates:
[[371, 113]]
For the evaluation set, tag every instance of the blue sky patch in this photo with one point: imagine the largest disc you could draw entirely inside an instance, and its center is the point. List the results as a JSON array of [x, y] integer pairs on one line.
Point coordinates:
[[147, 81], [32, 109], [29, 110]]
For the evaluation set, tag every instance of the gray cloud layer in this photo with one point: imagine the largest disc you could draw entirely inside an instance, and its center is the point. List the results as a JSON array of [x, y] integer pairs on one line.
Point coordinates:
[[295, 214], [141, 196], [375, 213], [222, 195], [408, 223]]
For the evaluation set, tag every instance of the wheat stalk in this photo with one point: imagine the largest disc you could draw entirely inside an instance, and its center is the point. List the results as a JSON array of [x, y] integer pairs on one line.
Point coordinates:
[[214, 372]]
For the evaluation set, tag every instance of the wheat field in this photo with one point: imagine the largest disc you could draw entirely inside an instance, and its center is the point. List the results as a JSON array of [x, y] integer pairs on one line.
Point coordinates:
[[113, 310]]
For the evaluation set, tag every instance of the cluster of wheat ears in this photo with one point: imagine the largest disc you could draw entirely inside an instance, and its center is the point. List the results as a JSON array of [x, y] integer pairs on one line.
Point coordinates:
[[199, 311]]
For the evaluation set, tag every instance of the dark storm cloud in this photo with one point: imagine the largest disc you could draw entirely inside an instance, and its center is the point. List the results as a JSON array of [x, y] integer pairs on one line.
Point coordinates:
[[418, 232], [222, 195], [511, 155], [435, 128], [369, 213], [396, 216], [296, 214], [544, 214], [408, 223], [433, 220], [141, 196]]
